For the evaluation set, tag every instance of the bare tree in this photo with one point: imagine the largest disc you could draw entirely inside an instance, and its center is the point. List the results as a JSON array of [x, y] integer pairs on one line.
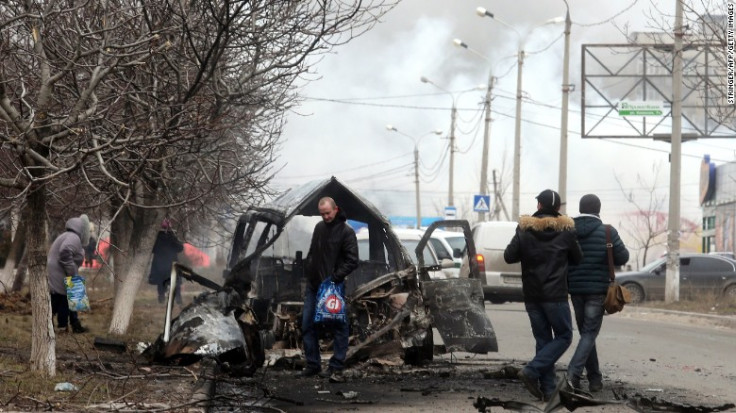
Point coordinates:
[[646, 225], [149, 107]]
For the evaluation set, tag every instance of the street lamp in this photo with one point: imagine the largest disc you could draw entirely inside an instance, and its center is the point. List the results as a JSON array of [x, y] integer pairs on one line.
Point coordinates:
[[416, 165], [482, 12], [562, 186], [453, 114], [487, 130]]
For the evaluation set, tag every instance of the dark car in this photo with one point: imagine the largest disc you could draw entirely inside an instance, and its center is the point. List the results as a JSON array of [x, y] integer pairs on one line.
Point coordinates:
[[700, 274]]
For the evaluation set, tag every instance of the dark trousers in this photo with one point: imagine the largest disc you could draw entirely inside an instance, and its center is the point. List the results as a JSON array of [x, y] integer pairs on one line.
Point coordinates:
[[310, 335], [163, 288], [589, 318], [60, 307], [552, 329]]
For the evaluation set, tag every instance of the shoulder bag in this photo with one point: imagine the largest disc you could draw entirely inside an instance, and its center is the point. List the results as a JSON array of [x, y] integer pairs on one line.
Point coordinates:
[[617, 295]]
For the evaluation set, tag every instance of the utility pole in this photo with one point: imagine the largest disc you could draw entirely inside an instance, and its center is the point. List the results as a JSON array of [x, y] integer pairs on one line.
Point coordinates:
[[416, 185], [486, 143], [450, 191], [672, 280], [517, 140], [562, 186]]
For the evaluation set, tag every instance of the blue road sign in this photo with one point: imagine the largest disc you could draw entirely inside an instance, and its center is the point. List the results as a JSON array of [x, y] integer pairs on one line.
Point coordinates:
[[482, 203]]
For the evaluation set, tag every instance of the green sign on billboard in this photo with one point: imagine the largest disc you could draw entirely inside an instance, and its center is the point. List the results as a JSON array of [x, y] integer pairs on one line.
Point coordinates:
[[640, 108]]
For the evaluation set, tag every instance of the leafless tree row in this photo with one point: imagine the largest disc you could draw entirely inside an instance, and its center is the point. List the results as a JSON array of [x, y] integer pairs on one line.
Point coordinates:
[[133, 110]]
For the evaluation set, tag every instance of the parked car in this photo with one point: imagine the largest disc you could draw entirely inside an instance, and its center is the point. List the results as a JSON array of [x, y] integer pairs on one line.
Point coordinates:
[[449, 245], [700, 274], [409, 239], [501, 281], [393, 303]]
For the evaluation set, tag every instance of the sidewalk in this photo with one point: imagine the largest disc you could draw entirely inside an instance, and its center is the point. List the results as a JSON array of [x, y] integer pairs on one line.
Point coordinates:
[[721, 320]]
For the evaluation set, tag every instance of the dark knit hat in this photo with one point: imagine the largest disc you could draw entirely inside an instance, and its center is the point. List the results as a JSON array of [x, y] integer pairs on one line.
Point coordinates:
[[549, 199], [590, 204]]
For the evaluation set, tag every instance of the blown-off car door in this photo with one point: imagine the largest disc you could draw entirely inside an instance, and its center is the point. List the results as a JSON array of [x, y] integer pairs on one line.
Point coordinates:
[[456, 305]]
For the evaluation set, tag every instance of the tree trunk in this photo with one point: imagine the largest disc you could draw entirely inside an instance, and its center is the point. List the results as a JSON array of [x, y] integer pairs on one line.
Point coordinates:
[[139, 252], [7, 275], [43, 340], [120, 233]]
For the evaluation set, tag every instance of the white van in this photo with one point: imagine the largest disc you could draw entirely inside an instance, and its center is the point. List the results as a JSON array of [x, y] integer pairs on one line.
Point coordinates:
[[501, 281]]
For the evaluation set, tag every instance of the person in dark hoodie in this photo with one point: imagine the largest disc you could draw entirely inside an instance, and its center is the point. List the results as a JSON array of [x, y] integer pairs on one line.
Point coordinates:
[[333, 254], [64, 259], [588, 284], [165, 251], [545, 244]]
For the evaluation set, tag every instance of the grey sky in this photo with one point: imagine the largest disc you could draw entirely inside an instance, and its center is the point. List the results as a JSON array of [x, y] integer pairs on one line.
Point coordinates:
[[351, 142]]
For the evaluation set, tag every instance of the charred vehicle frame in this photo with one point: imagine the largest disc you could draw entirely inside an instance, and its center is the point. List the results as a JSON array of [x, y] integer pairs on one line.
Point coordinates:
[[393, 304]]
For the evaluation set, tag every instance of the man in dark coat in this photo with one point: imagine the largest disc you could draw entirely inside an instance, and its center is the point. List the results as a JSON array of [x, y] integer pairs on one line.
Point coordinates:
[[588, 283], [165, 250], [545, 244], [64, 258], [333, 255]]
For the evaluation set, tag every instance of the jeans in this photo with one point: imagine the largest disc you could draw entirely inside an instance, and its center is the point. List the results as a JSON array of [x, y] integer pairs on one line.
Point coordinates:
[[60, 307], [310, 335], [589, 318], [552, 329]]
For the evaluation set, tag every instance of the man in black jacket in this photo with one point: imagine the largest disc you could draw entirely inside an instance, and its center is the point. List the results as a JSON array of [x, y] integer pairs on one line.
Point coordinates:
[[333, 255], [545, 243], [588, 283]]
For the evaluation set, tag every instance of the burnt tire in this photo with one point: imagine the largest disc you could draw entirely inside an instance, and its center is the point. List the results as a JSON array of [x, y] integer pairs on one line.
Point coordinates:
[[637, 293], [423, 354]]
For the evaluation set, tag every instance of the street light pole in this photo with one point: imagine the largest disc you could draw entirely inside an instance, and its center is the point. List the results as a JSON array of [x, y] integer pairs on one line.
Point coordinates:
[[482, 12], [450, 190], [562, 186], [486, 144], [416, 169], [517, 140], [672, 273]]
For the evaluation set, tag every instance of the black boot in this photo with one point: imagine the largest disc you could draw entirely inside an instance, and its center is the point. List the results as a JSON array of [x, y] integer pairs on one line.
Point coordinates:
[[78, 328]]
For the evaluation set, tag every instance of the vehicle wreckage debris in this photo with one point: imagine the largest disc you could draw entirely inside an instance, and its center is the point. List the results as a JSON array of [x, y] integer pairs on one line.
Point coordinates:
[[646, 404], [571, 401]]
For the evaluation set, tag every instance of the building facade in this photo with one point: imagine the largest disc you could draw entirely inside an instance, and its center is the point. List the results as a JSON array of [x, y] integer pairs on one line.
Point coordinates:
[[718, 200]]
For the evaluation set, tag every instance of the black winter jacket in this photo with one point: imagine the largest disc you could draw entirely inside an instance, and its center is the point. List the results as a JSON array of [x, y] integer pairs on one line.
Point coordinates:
[[545, 244], [591, 275], [333, 251]]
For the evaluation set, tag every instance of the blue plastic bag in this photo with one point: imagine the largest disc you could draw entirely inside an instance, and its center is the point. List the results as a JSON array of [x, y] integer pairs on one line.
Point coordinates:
[[76, 293], [331, 304]]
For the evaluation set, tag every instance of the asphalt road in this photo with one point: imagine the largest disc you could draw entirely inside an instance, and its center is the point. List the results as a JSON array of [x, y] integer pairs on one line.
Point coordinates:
[[651, 348], [645, 354]]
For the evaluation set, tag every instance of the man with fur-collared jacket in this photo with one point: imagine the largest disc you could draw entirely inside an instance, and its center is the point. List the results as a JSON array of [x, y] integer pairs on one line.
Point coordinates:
[[545, 243]]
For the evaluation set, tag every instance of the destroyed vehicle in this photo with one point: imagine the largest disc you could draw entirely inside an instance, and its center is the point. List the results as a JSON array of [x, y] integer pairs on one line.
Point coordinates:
[[393, 304]]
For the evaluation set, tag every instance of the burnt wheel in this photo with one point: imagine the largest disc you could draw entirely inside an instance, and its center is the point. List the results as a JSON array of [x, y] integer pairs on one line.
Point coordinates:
[[422, 354], [637, 293]]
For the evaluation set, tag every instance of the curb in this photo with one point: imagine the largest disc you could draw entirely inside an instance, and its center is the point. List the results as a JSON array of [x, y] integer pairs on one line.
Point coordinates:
[[726, 320]]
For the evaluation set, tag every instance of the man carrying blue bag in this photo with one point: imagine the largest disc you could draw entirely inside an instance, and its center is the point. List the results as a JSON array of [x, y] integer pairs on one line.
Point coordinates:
[[333, 255]]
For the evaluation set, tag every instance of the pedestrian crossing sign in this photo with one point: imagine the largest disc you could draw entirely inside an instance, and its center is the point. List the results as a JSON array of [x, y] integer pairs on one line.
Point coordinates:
[[482, 203]]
